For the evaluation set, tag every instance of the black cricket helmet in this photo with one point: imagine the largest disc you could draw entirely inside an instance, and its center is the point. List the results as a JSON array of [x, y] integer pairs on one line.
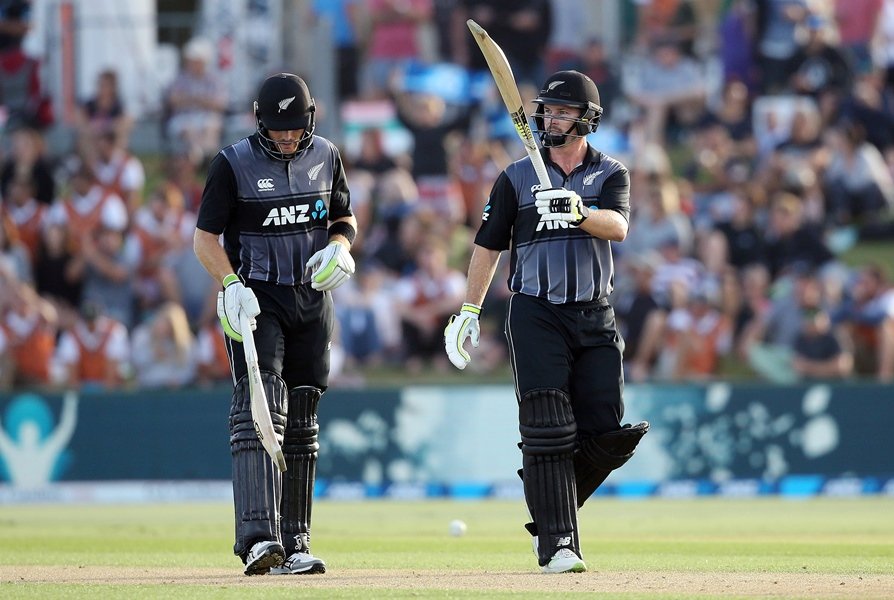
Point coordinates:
[[284, 104], [569, 88]]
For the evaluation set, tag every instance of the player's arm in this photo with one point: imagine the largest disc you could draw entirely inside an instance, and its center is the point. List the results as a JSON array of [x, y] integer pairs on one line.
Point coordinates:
[[211, 254], [482, 267], [606, 224], [218, 202]]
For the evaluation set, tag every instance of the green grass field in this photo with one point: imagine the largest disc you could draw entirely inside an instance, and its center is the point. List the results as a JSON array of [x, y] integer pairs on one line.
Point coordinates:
[[702, 548]]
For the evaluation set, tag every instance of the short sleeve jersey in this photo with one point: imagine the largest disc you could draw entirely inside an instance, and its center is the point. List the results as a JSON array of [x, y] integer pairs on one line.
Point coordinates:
[[553, 260], [274, 214]]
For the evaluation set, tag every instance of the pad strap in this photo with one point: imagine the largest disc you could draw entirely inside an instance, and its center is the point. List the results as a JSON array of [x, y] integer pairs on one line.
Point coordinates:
[[596, 457]]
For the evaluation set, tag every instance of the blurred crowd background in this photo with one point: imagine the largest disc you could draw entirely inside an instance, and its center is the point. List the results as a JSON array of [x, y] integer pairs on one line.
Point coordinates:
[[759, 135]]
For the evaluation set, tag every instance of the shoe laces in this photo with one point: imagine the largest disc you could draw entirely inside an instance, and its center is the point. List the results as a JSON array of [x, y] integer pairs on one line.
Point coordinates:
[[565, 553]]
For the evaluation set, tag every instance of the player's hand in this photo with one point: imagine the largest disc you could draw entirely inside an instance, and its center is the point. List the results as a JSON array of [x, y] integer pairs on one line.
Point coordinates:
[[461, 327], [235, 298], [559, 204], [330, 267]]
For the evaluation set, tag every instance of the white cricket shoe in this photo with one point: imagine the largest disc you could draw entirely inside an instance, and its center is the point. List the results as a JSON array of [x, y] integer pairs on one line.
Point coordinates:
[[300, 563], [263, 556], [564, 561]]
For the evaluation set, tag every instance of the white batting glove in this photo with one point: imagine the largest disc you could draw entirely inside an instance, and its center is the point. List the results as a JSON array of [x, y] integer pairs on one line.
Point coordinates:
[[559, 204], [235, 298], [461, 327], [331, 267]]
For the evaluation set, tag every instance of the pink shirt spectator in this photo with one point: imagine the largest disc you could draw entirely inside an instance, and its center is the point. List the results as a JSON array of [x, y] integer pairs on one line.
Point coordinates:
[[856, 20], [394, 32]]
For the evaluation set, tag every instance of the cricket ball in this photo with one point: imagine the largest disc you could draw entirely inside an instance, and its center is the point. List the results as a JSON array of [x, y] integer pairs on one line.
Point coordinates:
[[457, 527]]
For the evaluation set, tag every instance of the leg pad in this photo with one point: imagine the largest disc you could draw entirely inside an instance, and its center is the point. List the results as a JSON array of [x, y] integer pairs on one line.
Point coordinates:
[[257, 481], [300, 446], [548, 433]]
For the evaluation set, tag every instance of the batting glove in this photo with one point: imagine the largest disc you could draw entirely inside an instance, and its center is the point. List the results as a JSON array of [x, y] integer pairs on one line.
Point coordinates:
[[559, 204], [234, 298], [461, 327], [331, 267]]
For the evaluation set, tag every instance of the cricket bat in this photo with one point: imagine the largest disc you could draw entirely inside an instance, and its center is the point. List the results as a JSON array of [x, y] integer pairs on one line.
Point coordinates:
[[260, 411], [502, 74]]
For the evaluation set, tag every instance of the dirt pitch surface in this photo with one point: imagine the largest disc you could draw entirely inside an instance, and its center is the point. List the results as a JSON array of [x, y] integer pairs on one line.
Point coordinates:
[[782, 585]]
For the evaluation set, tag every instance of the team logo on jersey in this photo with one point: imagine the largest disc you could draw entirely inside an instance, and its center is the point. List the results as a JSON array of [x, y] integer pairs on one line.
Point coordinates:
[[551, 225], [486, 213], [265, 185], [284, 103], [314, 171], [588, 180], [319, 209], [287, 215]]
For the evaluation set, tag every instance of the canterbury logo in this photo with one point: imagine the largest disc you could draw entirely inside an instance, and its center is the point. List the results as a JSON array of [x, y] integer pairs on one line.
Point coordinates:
[[553, 85], [314, 171], [284, 104], [265, 185]]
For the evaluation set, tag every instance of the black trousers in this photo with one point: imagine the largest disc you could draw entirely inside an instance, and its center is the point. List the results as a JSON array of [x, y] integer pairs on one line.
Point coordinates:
[[575, 348], [293, 335]]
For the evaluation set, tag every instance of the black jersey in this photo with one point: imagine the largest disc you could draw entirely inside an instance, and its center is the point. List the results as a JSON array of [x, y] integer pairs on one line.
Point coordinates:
[[274, 214], [549, 259]]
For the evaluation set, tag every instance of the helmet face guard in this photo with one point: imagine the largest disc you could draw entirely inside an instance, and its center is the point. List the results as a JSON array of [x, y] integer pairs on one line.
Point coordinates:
[[568, 88], [284, 104]]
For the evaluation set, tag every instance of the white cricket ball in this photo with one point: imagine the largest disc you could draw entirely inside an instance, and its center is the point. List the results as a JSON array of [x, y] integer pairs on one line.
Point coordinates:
[[457, 527]]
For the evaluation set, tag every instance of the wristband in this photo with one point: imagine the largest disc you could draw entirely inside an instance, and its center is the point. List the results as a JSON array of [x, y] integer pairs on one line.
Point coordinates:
[[231, 278], [472, 308], [345, 229]]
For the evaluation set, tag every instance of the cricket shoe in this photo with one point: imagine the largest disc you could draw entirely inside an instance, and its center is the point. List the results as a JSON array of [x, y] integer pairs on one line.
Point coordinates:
[[564, 561], [263, 556], [300, 563]]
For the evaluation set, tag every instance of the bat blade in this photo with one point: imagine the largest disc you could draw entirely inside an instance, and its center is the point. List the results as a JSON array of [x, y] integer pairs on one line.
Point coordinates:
[[260, 411], [502, 74]]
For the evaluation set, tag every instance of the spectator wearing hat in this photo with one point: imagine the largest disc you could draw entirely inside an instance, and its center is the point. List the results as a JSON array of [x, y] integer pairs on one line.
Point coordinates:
[[196, 102]]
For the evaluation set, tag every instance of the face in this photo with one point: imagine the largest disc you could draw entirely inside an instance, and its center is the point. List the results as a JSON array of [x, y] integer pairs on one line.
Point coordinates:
[[558, 118], [286, 141]]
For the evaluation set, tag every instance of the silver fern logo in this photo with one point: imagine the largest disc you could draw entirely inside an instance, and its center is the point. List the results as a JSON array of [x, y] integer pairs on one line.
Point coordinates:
[[284, 103], [314, 171], [588, 180], [553, 85]]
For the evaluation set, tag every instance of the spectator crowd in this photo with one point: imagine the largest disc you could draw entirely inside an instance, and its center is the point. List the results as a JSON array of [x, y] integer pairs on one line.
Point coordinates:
[[759, 135]]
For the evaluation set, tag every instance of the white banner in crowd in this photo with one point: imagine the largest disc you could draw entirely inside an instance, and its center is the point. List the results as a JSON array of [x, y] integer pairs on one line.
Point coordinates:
[[247, 37], [77, 39]]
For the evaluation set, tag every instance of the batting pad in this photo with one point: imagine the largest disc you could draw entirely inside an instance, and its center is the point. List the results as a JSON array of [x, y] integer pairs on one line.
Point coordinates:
[[257, 481], [300, 448], [548, 432]]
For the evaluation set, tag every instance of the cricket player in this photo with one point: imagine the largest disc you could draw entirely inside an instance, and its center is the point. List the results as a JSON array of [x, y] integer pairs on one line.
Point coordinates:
[[565, 348], [280, 199]]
